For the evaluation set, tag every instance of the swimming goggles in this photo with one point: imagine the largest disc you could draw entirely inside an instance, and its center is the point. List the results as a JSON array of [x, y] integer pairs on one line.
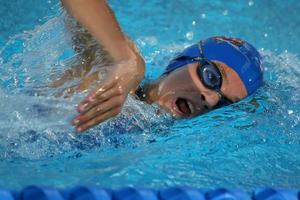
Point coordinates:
[[208, 73]]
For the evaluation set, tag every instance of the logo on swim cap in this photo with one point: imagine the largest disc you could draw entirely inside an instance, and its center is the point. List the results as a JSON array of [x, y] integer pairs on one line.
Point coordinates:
[[234, 41]]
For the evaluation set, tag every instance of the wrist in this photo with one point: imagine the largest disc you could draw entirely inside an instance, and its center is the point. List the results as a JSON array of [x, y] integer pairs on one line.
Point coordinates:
[[136, 65], [130, 54], [134, 68]]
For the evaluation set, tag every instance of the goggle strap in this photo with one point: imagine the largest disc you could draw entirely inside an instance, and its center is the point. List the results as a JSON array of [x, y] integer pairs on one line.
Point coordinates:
[[200, 44]]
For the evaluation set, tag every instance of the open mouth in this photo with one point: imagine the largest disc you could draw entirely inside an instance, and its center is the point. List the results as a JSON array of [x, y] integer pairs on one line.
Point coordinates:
[[184, 106]]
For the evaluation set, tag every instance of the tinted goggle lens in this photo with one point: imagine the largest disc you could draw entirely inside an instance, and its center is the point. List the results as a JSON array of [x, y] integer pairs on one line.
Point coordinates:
[[210, 75]]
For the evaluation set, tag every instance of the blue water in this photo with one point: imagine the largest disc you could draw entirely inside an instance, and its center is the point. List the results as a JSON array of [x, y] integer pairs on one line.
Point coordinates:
[[251, 144]]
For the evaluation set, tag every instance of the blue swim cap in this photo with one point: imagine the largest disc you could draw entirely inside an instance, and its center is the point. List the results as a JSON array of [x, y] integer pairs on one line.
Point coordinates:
[[239, 55]]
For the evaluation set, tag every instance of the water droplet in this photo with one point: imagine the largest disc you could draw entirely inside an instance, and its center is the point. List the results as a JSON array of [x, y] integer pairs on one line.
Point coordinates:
[[203, 15], [266, 35], [189, 35], [194, 23], [251, 3], [290, 112]]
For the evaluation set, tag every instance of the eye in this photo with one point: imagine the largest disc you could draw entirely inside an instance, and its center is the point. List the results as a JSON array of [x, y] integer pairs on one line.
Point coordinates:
[[211, 76]]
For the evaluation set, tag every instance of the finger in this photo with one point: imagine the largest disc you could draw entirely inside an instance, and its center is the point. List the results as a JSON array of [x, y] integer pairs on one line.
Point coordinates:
[[99, 109], [113, 92], [97, 120], [101, 89], [92, 95]]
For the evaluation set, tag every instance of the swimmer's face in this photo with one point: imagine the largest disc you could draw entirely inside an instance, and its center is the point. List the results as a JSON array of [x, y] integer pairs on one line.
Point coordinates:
[[183, 94]]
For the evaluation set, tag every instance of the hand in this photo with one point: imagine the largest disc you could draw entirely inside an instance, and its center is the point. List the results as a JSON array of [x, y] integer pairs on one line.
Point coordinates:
[[107, 99]]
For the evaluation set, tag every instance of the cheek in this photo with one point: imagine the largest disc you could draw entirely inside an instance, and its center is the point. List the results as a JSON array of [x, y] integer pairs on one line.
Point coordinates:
[[165, 87], [165, 91], [177, 88], [171, 84]]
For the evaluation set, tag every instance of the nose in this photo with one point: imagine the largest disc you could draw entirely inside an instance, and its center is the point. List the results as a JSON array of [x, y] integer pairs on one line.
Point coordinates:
[[200, 104], [208, 99], [204, 103]]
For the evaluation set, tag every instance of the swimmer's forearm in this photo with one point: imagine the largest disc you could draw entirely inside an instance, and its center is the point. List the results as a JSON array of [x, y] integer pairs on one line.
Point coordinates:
[[98, 18], [125, 74]]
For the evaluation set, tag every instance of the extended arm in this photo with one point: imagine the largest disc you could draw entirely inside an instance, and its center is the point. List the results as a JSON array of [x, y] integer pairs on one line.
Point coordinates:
[[97, 17], [107, 99]]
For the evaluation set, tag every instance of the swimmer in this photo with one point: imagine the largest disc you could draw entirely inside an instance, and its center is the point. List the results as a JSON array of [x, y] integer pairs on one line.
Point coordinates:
[[210, 74]]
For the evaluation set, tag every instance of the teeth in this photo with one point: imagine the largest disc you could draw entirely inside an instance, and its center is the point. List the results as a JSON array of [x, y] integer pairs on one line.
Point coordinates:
[[191, 107]]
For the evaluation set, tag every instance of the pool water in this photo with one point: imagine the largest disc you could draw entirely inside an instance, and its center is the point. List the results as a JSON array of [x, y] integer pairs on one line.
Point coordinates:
[[250, 144]]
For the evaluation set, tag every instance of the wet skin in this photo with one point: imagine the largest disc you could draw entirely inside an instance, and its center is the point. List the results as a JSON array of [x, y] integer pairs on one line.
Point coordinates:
[[182, 93]]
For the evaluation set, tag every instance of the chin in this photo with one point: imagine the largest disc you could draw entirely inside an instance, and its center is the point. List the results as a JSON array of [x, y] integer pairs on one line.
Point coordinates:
[[174, 114]]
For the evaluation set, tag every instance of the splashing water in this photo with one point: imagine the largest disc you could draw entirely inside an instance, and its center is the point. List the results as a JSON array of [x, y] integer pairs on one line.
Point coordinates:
[[251, 143], [35, 126]]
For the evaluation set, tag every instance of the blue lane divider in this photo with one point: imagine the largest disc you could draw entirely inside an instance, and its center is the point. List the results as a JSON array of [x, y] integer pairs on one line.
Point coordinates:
[[272, 194], [130, 193], [43, 193], [177, 193], [87, 193], [223, 193], [8, 195]]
